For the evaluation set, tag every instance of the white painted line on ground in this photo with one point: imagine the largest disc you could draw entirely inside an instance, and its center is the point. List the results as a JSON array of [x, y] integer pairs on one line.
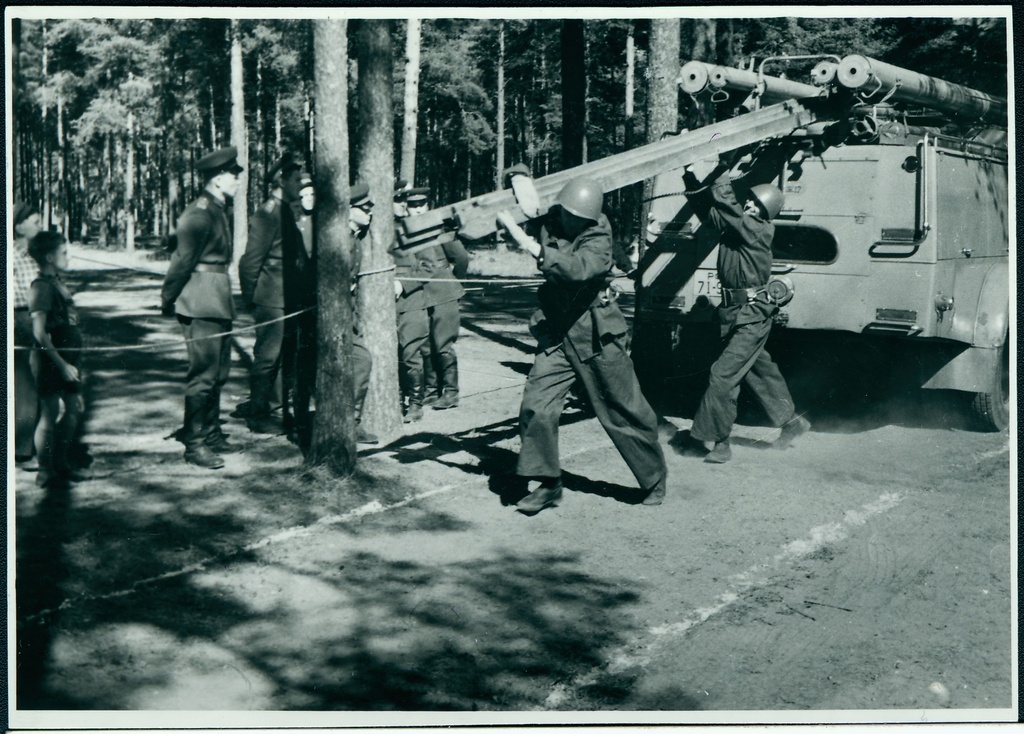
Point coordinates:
[[299, 531], [624, 657], [371, 508]]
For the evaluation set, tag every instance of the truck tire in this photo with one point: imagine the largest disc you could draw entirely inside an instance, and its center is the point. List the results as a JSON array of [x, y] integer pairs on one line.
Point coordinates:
[[992, 409]]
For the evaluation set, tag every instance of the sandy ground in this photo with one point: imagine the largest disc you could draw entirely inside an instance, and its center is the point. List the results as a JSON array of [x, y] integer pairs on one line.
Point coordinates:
[[865, 574]]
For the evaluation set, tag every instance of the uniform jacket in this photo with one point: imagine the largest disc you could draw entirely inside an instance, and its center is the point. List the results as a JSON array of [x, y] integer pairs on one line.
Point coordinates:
[[445, 263], [573, 309], [204, 236], [412, 274], [745, 245], [298, 267], [261, 269]]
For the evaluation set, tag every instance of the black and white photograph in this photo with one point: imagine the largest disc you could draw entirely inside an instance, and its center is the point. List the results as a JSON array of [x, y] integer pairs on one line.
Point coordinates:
[[585, 367]]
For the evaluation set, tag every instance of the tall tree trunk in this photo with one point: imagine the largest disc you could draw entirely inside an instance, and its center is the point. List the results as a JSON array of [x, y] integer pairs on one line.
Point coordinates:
[[45, 167], [239, 140], [662, 91], [259, 148], [129, 185], [381, 413], [63, 193], [705, 48], [500, 154], [410, 117], [277, 121], [16, 97], [213, 115], [334, 424], [630, 195], [574, 92]]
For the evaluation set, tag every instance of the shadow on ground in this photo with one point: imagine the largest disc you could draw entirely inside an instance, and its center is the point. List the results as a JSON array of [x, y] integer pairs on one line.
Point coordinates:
[[153, 587]]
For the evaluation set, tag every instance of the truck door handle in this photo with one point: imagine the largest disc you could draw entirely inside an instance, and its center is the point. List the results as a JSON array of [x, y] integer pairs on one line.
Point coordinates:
[[782, 269]]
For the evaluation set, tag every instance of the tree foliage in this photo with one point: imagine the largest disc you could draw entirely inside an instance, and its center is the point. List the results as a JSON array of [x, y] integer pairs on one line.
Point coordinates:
[[80, 78]]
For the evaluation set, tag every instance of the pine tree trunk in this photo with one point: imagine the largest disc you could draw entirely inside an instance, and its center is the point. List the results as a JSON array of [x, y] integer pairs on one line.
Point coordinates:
[[574, 91], [240, 141], [334, 425], [630, 195], [16, 97], [63, 195], [129, 185], [662, 92], [500, 154], [45, 166], [410, 118], [705, 46], [376, 297]]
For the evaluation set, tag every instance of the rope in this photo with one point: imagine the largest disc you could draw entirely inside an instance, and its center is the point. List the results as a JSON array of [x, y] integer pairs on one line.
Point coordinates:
[[115, 266], [175, 342]]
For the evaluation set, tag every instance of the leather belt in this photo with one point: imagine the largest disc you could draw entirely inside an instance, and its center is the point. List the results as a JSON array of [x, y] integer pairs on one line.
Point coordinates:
[[211, 268], [740, 296]]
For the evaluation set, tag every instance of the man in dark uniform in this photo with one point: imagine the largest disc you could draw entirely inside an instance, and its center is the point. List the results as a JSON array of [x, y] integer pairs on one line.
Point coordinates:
[[744, 266], [445, 264], [261, 274], [300, 347], [198, 289], [360, 215], [581, 335], [413, 323]]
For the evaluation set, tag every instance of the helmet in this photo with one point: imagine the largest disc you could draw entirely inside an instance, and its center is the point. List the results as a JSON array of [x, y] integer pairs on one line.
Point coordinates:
[[770, 198], [582, 197]]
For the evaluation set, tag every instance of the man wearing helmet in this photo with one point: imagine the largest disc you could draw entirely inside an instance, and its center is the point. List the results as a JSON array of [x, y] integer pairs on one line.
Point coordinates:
[[581, 335], [745, 315]]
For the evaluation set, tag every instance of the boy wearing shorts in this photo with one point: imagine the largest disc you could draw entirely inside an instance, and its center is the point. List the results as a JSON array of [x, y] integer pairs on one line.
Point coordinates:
[[55, 359]]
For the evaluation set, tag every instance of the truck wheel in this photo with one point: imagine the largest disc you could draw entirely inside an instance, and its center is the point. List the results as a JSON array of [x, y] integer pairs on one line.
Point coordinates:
[[992, 409]]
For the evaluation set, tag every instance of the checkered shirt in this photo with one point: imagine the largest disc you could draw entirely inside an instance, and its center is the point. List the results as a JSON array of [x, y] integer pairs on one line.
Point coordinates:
[[25, 271]]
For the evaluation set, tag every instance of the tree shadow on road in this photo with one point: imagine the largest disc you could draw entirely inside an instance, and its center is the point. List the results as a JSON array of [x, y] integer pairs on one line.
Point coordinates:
[[162, 585], [368, 633]]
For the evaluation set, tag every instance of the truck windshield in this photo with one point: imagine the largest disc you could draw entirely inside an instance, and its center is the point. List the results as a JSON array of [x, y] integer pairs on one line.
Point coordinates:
[[803, 243]]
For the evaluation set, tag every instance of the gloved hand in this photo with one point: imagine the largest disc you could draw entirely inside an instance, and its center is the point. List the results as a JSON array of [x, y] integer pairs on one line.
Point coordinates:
[[398, 289], [166, 308]]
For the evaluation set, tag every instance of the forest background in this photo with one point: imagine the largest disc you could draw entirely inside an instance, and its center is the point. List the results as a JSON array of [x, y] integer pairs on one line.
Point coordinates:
[[111, 115]]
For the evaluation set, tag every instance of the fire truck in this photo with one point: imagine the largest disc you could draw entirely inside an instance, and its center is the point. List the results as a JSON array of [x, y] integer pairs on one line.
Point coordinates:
[[892, 249]]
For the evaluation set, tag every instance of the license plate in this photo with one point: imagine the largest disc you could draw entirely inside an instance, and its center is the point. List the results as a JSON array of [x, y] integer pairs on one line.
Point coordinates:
[[706, 283]]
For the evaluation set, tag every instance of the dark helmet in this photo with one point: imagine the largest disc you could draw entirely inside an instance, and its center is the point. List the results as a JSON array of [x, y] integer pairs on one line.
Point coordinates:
[[582, 197], [770, 198]]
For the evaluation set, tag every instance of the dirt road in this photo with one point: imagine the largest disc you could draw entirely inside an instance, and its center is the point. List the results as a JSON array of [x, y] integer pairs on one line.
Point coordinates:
[[862, 575]]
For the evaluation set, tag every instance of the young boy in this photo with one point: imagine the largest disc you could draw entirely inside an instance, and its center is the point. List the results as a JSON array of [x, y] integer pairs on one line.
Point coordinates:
[[55, 359]]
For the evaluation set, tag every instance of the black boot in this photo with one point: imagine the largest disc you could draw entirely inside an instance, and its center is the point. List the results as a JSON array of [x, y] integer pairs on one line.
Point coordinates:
[[449, 381], [194, 434], [412, 388], [431, 388], [216, 440], [259, 420]]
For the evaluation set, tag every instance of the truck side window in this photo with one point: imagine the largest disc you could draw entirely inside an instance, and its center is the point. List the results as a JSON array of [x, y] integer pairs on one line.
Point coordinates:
[[804, 243]]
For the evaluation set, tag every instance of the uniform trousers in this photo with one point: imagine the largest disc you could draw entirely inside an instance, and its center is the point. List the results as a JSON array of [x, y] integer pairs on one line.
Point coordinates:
[[266, 352], [610, 382], [26, 397], [440, 361], [413, 333], [209, 356], [743, 360], [299, 355], [209, 365], [299, 364]]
